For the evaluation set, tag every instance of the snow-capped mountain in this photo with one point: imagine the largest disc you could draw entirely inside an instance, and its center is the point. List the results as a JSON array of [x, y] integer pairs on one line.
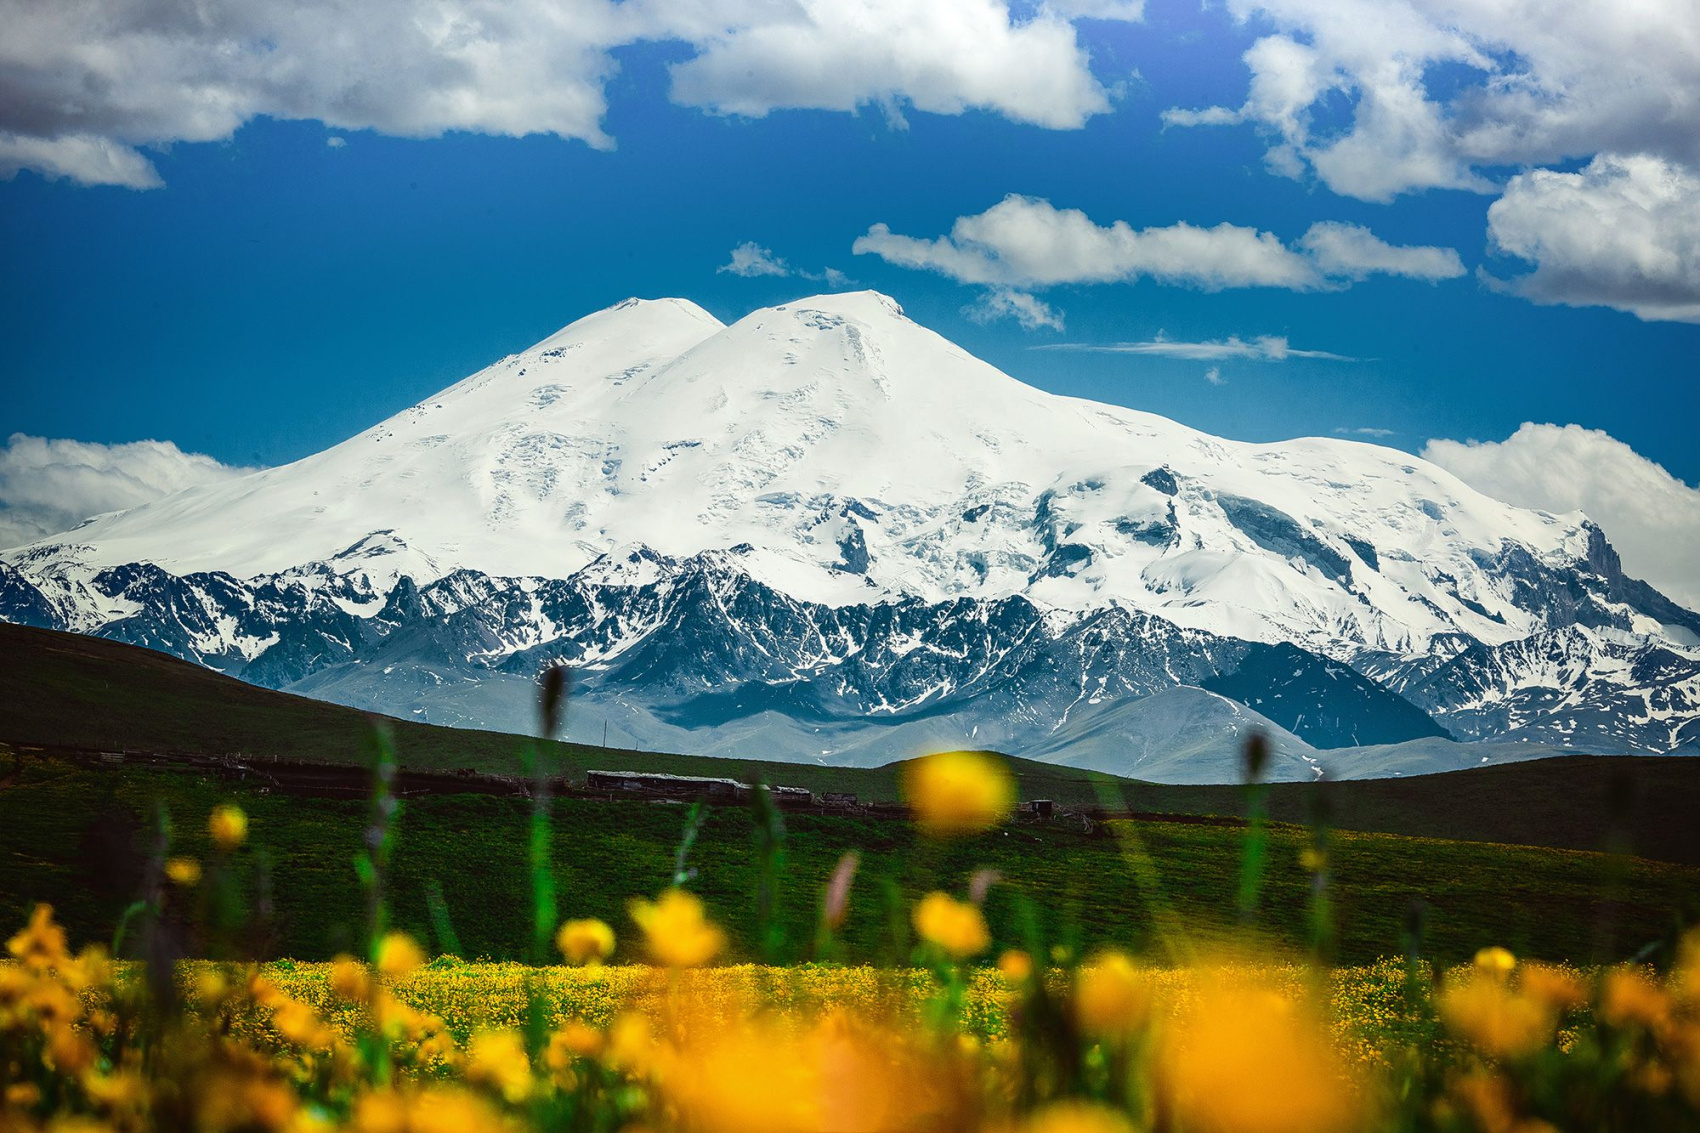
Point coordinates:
[[826, 531]]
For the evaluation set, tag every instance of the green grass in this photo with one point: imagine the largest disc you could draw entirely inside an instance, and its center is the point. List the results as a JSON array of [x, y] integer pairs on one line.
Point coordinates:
[[66, 689], [76, 837]]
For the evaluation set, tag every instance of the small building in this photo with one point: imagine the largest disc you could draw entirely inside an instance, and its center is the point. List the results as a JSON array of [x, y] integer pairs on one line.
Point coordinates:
[[1040, 808], [669, 786], [841, 799], [790, 797]]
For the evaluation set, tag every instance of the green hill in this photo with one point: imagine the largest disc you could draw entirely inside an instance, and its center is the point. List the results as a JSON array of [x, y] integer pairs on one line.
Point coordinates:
[[68, 690]]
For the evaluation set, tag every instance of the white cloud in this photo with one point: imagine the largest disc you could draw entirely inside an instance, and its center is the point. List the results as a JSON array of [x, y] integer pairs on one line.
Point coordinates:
[[1440, 90], [1025, 242], [84, 158], [1266, 347], [48, 486], [1364, 431], [1623, 233], [1004, 303], [750, 258], [1214, 376], [1351, 251], [943, 56], [335, 142], [90, 83], [1651, 517]]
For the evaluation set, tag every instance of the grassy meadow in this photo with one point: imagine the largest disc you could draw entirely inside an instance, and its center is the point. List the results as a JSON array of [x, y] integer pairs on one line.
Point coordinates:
[[78, 837], [197, 952]]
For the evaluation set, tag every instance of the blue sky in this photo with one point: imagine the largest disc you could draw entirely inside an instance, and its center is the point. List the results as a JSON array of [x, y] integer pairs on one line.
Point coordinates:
[[273, 292]]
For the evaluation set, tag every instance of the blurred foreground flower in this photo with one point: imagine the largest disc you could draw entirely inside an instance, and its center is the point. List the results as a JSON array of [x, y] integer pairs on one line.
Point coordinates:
[[958, 792], [1016, 965], [183, 871], [676, 931], [1243, 1059], [497, 1059], [1077, 1117], [955, 926], [1111, 996], [761, 1077], [228, 826], [398, 954], [1495, 961], [1495, 1017], [587, 941]]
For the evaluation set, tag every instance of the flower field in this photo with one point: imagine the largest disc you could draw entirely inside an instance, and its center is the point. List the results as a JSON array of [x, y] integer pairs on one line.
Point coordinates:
[[1209, 1032]]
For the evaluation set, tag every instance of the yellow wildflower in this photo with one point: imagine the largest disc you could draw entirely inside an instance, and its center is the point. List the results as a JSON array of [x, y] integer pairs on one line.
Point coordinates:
[[1630, 998], [1553, 986], [497, 1059], [631, 1044], [955, 926], [1495, 961], [587, 941], [183, 871], [958, 792], [349, 979], [380, 1111], [398, 954], [228, 826], [1016, 965], [41, 943], [676, 931], [1244, 1060], [1496, 1018], [1111, 996], [1077, 1117], [578, 1039], [448, 1110]]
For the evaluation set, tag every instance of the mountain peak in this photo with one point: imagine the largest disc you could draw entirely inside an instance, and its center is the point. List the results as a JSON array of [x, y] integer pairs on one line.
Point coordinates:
[[635, 319], [866, 303]]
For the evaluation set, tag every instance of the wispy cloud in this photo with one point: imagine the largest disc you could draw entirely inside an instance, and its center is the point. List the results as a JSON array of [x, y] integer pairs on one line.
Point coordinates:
[[1262, 348], [1214, 376], [750, 259], [1363, 431], [1006, 303]]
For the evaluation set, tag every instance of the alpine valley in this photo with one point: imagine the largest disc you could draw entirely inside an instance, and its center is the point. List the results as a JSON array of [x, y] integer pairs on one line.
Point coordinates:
[[826, 533]]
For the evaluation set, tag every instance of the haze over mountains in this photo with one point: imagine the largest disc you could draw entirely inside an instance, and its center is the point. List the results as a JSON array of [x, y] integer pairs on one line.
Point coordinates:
[[825, 532]]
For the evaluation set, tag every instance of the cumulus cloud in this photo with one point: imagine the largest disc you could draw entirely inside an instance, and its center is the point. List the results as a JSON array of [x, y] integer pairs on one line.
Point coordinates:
[[1437, 91], [48, 486], [1651, 517], [1265, 348], [1025, 243], [90, 83], [335, 142], [943, 57], [1029, 310], [1623, 233]]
